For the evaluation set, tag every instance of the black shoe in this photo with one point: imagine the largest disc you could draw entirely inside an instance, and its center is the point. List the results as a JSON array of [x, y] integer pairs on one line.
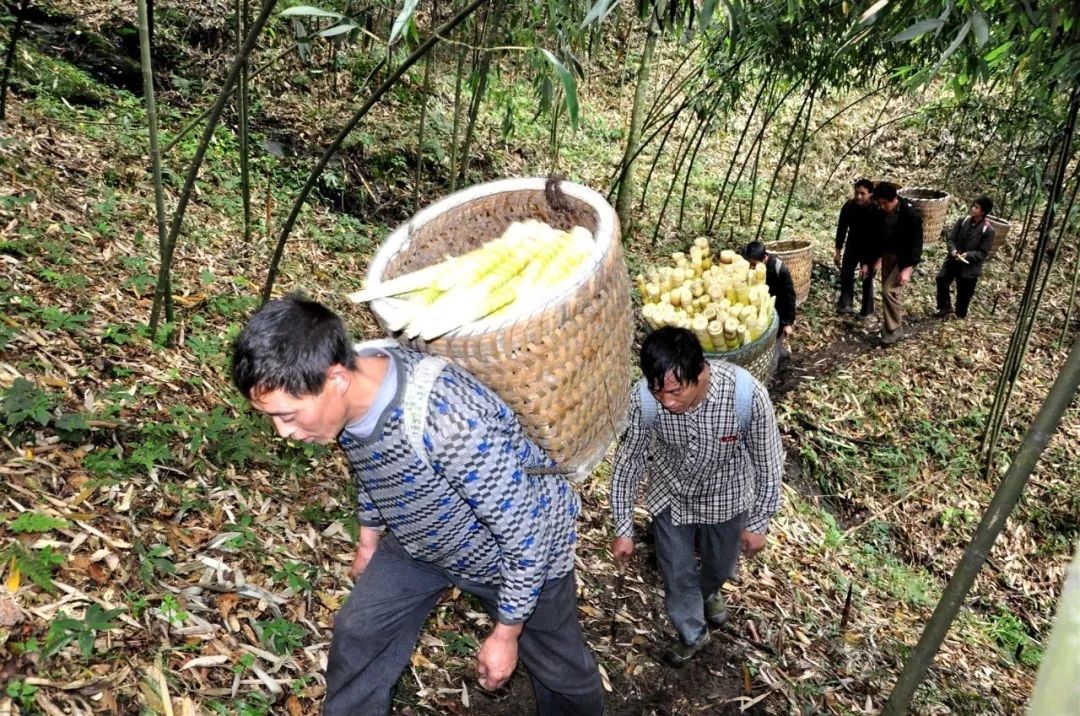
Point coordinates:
[[942, 313], [845, 310]]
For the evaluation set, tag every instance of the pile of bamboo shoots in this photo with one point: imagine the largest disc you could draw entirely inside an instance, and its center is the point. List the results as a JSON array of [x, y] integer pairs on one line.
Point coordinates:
[[530, 263], [721, 299]]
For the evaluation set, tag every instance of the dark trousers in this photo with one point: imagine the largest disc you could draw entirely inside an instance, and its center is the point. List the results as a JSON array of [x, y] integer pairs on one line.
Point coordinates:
[[688, 582], [376, 631], [849, 269], [965, 288]]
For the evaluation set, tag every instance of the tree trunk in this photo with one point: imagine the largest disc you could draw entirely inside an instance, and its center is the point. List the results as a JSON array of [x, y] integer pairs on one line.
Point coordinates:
[[155, 152], [9, 59], [242, 123], [491, 31], [331, 150], [633, 135], [1057, 690], [420, 129], [454, 158], [993, 521]]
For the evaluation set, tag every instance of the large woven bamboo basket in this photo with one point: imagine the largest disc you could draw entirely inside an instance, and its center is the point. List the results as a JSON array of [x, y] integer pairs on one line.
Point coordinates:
[[758, 357], [1001, 231], [932, 205], [798, 256], [563, 366]]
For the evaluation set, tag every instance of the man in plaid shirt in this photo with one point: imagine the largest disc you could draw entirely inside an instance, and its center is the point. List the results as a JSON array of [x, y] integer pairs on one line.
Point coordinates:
[[711, 483]]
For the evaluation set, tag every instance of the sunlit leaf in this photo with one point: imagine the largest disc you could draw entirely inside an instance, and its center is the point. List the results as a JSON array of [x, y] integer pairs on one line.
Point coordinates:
[[871, 12], [979, 27], [407, 9], [310, 11], [918, 29], [337, 30], [598, 11]]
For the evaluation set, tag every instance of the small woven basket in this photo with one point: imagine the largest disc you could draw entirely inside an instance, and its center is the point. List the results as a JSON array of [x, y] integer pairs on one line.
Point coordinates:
[[1001, 231], [758, 357], [563, 366], [798, 257], [932, 205]]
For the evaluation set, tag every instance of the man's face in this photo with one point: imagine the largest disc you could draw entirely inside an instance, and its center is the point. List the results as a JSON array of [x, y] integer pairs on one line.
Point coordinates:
[[888, 205], [315, 418], [678, 397], [862, 196], [976, 212], [755, 262]]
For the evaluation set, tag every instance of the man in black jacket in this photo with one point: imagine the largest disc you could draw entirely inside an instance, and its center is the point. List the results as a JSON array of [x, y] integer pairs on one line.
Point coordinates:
[[898, 251], [969, 243], [854, 234], [778, 279]]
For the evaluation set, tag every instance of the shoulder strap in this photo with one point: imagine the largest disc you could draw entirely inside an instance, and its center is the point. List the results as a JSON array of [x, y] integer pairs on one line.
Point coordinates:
[[744, 399], [648, 405], [417, 397]]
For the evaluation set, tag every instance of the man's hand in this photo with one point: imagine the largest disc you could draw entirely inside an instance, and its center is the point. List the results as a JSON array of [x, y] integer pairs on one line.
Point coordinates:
[[622, 549], [365, 548], [498, 656], [905, 276], [788, 329], [962, 256], [751, 542], [864, 270], [836, 258]]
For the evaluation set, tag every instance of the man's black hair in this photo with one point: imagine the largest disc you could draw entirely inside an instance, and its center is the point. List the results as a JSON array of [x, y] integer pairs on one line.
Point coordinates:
[[986, 204], [289, 344], [671, 350], [865, 183], [754, 251], [885, 190]]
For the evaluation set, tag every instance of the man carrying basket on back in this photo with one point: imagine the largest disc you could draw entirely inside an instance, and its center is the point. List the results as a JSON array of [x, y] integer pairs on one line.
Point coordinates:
[[445, 499], [704, 433]]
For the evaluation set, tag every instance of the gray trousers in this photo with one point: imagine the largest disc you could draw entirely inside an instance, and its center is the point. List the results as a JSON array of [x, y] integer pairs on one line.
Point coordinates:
[[688, 581], [376, 631]]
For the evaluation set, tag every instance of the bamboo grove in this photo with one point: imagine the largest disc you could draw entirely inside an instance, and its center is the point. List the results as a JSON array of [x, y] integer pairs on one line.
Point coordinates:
[[751, 85]]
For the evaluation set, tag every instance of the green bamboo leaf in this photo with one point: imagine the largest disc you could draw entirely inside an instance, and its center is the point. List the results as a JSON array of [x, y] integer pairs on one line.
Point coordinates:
[[569, 86], [980, 28], [917, 29], [870, 14], [705, 17], [310, 11], [407, 10]]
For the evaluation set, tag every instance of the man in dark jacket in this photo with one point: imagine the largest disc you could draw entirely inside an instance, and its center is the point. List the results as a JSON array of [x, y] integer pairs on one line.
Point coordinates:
[[778, 279], [854, 234], [969, 244], [898, 252]]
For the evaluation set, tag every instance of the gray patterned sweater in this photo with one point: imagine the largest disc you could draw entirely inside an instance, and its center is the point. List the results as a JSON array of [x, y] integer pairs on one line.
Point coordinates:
[[475, 512]]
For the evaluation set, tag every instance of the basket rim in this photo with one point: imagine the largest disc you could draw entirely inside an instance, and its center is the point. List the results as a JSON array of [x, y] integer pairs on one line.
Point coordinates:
[[401, 237], [998, 220], [902, 193], [804, 244]]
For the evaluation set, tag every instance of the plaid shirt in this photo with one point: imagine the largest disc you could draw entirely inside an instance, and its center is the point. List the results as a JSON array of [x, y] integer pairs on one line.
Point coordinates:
[[697, 466]]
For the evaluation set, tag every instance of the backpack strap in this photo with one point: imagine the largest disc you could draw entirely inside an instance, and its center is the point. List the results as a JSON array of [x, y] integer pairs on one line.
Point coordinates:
[[415, 402], [648, 405], [744, 400]]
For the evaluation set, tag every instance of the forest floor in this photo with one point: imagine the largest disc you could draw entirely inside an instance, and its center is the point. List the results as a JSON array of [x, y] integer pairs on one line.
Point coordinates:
[[160, 546]]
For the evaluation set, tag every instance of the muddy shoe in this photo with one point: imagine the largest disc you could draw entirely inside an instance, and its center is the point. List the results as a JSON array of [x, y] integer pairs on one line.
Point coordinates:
[[679, 653], [716, 612], [889, 338]]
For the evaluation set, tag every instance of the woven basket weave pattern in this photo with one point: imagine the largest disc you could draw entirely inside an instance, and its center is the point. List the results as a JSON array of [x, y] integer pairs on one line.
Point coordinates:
[[798, 257], [932, 205], [758, 357], [564, 368], [1001, 231]]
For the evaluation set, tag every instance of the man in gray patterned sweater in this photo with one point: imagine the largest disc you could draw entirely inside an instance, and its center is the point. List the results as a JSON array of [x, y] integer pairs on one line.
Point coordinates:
[[459, 509], [704, 436]]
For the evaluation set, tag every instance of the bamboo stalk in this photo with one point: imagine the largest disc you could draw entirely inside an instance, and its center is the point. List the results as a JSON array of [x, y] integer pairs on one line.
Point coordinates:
[[993, 521], [155, 153]]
